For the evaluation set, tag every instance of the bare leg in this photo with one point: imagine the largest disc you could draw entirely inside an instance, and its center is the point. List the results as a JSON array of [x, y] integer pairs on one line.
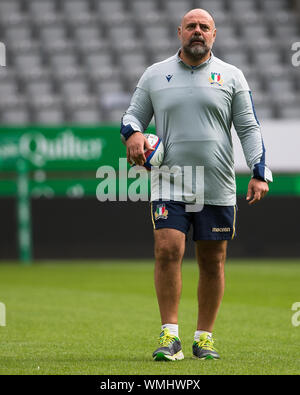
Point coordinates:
[[169, 251], [211, 256]]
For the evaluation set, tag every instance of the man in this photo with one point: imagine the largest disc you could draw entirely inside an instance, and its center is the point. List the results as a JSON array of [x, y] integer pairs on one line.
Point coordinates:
[[195, 97]]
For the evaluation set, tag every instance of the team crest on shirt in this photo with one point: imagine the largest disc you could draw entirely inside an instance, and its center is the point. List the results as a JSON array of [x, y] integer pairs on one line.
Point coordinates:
[[215, 78], [161, 212]]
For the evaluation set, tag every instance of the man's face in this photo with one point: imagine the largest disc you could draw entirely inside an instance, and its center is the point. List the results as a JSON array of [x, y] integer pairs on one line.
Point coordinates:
[[197, 34]]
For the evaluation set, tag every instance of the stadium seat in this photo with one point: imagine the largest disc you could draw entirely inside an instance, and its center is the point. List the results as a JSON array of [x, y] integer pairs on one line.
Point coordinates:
[[158, 37], [8, 7], [15, 116], [260, 46], [285, 31], [264, 107], [252, 18], [123, 37], [255, 33], [290, 112], [11, 98], [242, 7], [286, 102], [109, 7], [286, 17], [20, 39], [112, 12], [86, 57], [44, 12], [38, 7], [12, 101], [160, 55], [226, 33], [46, 100], [88, 38], [49, 116], [38, 88], [77, 12], [267, 58], [146, 12], [265, 112], [140, 7], [66, 66], [30, 66], [238, 59], [11, 13], [99, 66], [7, 74], [18, 33], [175, 9], [99, 60], [8, 88], [274, 5], [213, 6], [109, 86], [114, 115], [133, 60], [71, 88], [133, 66], [82, 100], [255, 84], [221, 17], [85, 116], [54, 38], [280, 86]]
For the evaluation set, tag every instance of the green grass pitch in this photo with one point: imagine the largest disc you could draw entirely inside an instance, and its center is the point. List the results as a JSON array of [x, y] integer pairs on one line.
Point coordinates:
[[102, 318]]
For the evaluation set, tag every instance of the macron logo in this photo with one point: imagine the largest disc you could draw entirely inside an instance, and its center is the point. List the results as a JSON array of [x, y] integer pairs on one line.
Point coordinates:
[[168, 77]]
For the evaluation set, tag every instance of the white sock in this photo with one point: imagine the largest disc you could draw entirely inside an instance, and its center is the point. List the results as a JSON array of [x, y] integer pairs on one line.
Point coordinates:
[[198, 333], [173, 328]]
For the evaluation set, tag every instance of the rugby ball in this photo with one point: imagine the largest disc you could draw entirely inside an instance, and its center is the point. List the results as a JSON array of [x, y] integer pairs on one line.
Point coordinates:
[[153, 158]]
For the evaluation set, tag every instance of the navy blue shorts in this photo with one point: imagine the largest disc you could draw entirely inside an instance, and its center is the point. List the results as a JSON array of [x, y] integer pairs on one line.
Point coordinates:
[[211, 223]]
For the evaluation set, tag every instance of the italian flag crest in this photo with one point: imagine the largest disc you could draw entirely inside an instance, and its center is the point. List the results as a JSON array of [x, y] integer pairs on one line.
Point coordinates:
[[215, 78], [161, 212]]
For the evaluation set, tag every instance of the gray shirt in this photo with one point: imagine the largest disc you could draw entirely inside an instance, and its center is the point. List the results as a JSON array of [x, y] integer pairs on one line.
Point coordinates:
[[194, 108]]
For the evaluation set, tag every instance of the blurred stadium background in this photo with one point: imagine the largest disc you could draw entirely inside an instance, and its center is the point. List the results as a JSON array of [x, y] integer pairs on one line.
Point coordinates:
[[71, 68]]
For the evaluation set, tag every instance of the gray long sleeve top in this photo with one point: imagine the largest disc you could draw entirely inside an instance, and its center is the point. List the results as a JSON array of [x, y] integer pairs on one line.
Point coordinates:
[[194, 108]]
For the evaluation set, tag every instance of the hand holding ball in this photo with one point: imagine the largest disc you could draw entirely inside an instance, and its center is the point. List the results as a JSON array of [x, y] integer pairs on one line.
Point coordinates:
[[155, 157], [153, 154]]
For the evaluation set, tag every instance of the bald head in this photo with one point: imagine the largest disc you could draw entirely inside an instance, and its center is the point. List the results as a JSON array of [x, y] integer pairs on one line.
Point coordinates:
[[198, 13]]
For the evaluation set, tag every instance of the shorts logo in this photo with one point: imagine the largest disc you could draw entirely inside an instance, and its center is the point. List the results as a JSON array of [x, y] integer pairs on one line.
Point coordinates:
[[215, 78], [221, 229], [161, 212]]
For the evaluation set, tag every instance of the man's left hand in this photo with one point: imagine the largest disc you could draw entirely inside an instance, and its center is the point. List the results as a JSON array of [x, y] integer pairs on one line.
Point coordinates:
[[257, 189]]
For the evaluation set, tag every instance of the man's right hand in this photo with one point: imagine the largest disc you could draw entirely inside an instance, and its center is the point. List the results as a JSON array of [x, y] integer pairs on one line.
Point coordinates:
[[136, 145]]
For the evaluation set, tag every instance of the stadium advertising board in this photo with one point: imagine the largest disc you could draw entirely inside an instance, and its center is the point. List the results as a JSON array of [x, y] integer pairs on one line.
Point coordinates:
[[63, 160], [60, 148]]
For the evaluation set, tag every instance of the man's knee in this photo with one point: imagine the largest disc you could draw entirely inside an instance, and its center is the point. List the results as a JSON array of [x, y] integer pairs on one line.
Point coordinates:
[[169, 246], [212, 267], [212, 260], [170, 253]]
